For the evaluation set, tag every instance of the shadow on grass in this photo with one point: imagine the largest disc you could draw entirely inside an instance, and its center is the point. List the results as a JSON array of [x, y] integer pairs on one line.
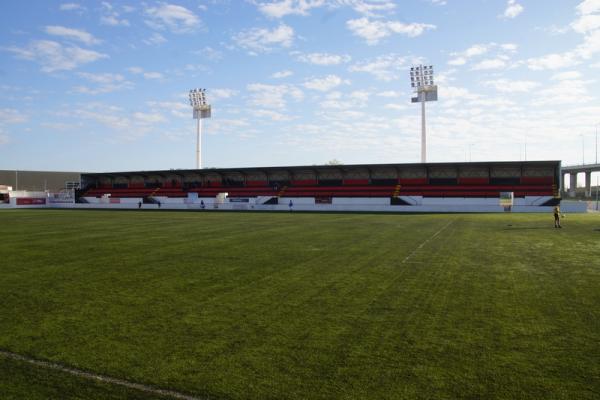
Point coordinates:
[[522, 228]]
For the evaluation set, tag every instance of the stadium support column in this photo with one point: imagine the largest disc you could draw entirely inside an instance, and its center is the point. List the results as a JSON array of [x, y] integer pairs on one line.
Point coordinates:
[[588, 184], [423, 130], [573, 184]]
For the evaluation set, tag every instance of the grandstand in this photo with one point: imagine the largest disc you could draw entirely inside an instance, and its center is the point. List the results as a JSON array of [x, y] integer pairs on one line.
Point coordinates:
[[355, 187]]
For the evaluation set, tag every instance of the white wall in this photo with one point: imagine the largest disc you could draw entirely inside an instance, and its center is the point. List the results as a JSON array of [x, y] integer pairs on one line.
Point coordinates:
[[441, 205]]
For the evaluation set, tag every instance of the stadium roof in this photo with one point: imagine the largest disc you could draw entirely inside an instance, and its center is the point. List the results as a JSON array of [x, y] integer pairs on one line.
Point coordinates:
[[337, 167]]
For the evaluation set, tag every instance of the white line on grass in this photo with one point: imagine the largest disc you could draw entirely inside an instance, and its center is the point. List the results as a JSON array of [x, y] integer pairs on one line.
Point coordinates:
[[103, 378], [426, 241]]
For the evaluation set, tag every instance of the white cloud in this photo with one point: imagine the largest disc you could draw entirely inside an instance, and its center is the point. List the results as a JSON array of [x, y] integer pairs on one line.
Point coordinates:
[[153, 75], [346, 101], [107, 116], [279, 9], [511, 47], [272, 115], [208, 53], [70, 7], [70, 33], [4, 139], [174, 18], [386, 67], [461, 58], [588, 7], [105, 83], [451, 96], [125, 125], [55, 57], [179, 109], [261, 40], [111, 17], [590, 45], [569, 91], [145, 74], [476, 50], [490, 63], [11, 116], [396, 107], [503, 52], [113, 20], [106, 78], [370, 8], [567, 75], [586, 23], [323, 58], [553, 61], [148, 118], [217, 94], [512, 86], [374, 30], [513, 9], [155, 39], [457, 61], [445, 77], [273, 96], [389, 93], [282, 74], [324, 84]]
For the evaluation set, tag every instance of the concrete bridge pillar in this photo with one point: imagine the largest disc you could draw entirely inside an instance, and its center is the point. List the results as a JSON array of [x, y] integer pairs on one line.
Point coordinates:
[[588, 183], [573, 184]]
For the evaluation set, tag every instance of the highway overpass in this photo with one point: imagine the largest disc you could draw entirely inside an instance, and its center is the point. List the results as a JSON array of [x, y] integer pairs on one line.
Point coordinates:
[[572, 171]]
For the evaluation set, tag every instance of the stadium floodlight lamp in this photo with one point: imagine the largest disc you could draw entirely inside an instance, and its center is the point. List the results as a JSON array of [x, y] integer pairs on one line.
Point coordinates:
[[201, 110], [422, 82]]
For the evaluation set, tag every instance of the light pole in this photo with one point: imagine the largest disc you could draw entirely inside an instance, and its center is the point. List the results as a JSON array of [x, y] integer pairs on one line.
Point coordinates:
[[582, 150], [597, 187], [421, 80], [596, 144], [201, 110]]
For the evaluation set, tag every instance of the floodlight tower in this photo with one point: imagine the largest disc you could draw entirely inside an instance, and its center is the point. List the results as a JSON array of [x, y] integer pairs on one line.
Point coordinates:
[[421, 80], [201, 111]]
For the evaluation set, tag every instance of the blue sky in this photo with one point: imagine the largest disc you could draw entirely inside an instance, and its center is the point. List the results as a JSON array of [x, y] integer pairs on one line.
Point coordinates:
[[97, 86]]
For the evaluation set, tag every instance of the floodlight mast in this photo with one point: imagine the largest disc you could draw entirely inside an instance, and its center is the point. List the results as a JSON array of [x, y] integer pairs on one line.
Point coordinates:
[[421, 80], [201, 110]]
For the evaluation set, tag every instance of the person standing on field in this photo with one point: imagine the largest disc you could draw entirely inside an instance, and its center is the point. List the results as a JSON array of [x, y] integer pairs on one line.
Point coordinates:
[[557, 217]]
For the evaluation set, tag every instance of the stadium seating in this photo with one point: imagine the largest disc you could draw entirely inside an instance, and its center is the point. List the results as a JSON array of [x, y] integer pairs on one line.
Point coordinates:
[[466, 187]]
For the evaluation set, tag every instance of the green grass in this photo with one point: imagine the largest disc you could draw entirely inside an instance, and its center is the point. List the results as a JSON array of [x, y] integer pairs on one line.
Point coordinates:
[[310, 306], [20, 381]]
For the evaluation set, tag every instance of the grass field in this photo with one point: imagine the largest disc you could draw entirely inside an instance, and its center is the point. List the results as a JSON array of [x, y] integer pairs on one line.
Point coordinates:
[[301, 306]]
